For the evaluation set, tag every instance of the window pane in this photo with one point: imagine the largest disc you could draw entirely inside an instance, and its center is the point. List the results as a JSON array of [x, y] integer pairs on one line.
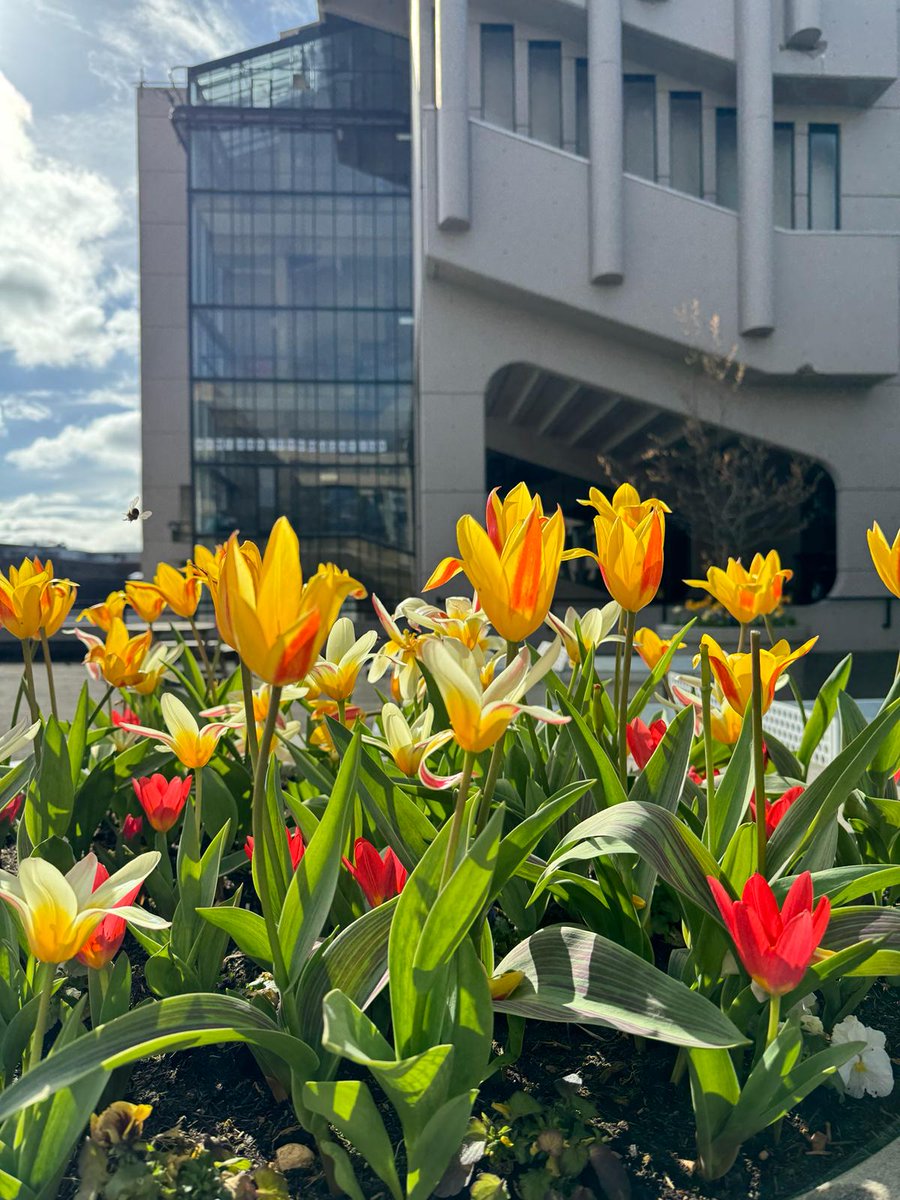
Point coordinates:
[[685, 145], [545, 91], [726, 158], [784, 174], [640, 125], [581, 108], [824, 177], [497, 77]]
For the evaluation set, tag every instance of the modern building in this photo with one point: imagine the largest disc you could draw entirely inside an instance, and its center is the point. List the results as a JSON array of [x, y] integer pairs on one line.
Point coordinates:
[[415, 249]]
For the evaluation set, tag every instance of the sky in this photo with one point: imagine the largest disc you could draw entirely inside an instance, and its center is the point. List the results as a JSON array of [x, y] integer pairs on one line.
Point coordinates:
[[69, 397]]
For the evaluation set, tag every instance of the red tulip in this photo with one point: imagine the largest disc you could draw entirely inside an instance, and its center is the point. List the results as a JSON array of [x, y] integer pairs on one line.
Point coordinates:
[[379, 876], [132, 827], [775, 809], [126, 717], [695, 776], [643, 741], [775, 947], [295, 846], [12, 808], [162, 799], [103, 944]]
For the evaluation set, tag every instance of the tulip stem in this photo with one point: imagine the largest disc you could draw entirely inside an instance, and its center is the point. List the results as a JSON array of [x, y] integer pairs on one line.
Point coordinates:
[[458, 814], [706, 695], [774, 1014], [742, 636], [29, 680], [490, 783], [207, 665], [262, 835], [44, 988], [617, 678], [795, 691], [623, 698], [48, 666], [249, 715], [759, 766], [198, 807], [106, 695]]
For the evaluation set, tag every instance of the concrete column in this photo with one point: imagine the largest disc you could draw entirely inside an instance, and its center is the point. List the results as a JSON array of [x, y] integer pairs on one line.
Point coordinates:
[[605, 140], [756, 167], [802, 24], [452, 102]]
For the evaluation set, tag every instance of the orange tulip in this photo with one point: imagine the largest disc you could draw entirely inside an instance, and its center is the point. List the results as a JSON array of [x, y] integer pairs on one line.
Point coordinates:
[[57, 599], [747, 594], [650, 646], [180, 589], [103, 615], [208, 566], [146, 600], [21, 593], [733, 672], [885, 557]]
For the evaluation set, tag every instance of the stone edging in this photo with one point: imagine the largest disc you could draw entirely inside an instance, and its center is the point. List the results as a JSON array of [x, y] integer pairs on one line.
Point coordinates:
[[876, 1178]]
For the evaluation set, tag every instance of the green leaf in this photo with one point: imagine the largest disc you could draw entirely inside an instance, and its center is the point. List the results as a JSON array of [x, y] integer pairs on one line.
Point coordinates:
[[459, 901], [595, 762], [661, 783], [867, 922], [313, 885], [177, 1023], [219, 807], [573, 975], [843, 884], [246, 929], [348, 1105], [732, 793], [525, 835], [812, 814], [886, 760], [77, 735], [715, 1091], [48, 808], [824, 709], [429, 1154], [658, 837], [472, 1019]]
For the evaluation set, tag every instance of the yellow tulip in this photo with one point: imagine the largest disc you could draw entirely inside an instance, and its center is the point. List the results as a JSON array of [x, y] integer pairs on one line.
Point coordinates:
[[747, 594], [21, 593], [278, 622], [408, 744], [515, 579], [120, 659], [733, 672], [103, 615], [146, 599], [208, 566], [59, 912], [631, 558], [587, 630], [650, 646], [885, 557], [460, 618], [480, 716], [626, 505], [180, 589], [336, 672], [191, 745], [57, 599]]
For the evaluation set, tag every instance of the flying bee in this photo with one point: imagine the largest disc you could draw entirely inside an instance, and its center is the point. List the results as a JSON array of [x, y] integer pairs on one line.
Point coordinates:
[[134, 511]]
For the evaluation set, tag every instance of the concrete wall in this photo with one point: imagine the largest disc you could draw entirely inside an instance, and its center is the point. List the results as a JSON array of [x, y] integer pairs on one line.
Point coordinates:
[[165, 370]]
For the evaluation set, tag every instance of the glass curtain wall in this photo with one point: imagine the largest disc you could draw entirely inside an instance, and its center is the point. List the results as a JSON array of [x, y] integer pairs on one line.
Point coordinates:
[[300, 295]]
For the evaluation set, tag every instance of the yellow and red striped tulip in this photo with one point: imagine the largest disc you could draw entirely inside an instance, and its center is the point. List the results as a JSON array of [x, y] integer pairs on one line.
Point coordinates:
[[57, 599], [747, 594], [146, 599], [734, 672], [626, 505], [336, 672], [650, 646], [279, 623], [191, 745], [181, 590], [21, 593], [886, 558], [120, 659], [102, 615], [515, 579], [631, 558]]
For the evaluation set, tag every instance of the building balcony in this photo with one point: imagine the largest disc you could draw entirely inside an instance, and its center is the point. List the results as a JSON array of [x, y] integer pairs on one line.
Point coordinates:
[[835, 293]]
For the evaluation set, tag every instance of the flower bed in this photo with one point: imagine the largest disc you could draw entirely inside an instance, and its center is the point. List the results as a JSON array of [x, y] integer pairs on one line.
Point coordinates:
[[513, 934]]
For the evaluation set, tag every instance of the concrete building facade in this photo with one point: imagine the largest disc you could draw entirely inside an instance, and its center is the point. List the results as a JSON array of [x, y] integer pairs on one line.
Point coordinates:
[[601, 192]]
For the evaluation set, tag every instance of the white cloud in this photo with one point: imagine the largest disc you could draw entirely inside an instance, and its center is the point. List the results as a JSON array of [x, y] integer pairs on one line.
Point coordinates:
[[67, 518], [60, 301], [110, 442]]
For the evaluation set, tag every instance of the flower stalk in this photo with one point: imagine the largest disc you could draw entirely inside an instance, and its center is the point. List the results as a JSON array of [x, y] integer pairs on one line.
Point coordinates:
[[623, 697], [759, 768], [250, 716], [462, 795], [48, 666], [44, 973], [263, 835], [706, 699]]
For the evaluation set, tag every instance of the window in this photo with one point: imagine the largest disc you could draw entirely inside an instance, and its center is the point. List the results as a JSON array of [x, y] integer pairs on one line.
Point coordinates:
[[726, 158], [545, 92], [784, 174], [582, 129], [640, 125], [685, 142], [824, 177], [498, 92]]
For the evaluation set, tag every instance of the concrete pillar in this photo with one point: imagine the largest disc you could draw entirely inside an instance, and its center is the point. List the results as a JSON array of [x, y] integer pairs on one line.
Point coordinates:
[[756, 167], [605, 140], [452, 102], [802, 24]]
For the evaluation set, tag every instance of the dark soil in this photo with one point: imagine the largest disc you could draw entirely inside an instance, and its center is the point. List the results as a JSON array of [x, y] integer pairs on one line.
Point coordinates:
[[217, 1097]]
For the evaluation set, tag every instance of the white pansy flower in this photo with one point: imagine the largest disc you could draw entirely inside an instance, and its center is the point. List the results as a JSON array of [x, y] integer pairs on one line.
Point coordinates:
[[870, 1071]]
